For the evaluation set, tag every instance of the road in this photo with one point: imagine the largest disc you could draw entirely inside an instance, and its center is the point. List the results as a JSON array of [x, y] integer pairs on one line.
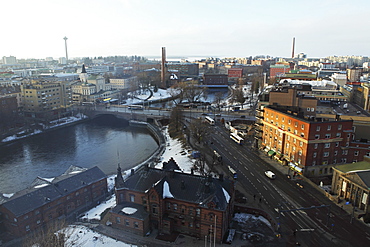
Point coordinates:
[[319, 223]]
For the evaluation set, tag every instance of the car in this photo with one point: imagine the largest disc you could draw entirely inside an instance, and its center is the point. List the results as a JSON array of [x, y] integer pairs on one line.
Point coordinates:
[[204, 114], [270, 174], [242, 116], [218, 115]]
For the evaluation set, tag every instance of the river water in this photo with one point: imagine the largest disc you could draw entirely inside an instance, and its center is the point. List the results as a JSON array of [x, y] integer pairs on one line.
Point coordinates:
[[103, 142]]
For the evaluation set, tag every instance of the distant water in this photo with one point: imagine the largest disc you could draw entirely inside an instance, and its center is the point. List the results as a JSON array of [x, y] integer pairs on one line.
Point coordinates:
[[103, 142]]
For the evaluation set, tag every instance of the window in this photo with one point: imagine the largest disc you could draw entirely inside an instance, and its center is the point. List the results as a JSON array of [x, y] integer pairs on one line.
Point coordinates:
[[295, 124], [289, 121], [38, 222], [314, 154], [317, 137], [327, 136], [337, 135], [174, 207], [191, 211], [302, 134], [127, 222], [337, 144], [344, 152], [329, 127], [136, 224], [300, 152], [168, 205], [315, 146], [302, 126], [339, 127], [132, 198], [118, 220], [326, 154], [318, 128], [27, 228], [314, 163], [155, 209], [327, 145], [312, 109], [356, 153], [197, 211], [335, 153]]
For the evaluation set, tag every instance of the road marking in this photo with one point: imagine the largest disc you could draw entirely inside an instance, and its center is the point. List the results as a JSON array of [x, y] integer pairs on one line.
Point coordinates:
[[258, 180], [293, 213], [252, 174], [265, 188]]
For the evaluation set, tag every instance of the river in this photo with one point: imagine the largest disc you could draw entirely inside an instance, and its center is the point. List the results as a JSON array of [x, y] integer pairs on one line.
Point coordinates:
[[103, 142]]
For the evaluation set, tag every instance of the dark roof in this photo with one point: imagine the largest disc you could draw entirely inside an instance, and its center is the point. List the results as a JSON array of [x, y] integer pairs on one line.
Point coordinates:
[[42, 193], [183, 186], [365, 177]]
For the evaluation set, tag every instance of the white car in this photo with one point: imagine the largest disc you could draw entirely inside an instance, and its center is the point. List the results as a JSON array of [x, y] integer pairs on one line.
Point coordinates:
[[270, 174]]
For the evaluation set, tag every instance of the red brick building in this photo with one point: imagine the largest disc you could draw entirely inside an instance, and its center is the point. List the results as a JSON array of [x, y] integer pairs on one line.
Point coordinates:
[[235, 73], [173, 202], [47, 200], [311, 145], [215, 79]]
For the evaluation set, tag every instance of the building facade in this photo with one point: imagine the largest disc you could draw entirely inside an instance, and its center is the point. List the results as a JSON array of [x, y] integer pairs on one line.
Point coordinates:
[[47, 200], [309, 145], [172, 202]]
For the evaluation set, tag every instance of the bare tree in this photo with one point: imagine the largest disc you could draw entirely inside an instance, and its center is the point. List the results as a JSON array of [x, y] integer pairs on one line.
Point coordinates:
[[175, 125], [188, 90], [54, 234], [238, 96], [199, 129], [219, 97]]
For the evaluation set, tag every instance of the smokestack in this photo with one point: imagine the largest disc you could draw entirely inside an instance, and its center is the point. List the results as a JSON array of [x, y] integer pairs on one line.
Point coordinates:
[[163, 71], [293, 47]]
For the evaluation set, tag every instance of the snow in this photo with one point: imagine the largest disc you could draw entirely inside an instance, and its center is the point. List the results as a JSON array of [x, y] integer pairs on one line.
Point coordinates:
[[175, 150], [84, 237], [94, 213], [75, 172], [40, 186], [8, 195], [166, 191], [243, 218], [48, 179], [227, 196], [128, 210]]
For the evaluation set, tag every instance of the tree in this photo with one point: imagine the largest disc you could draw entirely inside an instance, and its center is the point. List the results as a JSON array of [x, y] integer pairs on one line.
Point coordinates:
[[198, 129], [238, 96], [219, 97], [189, 91], [175, 125], [54, 234]]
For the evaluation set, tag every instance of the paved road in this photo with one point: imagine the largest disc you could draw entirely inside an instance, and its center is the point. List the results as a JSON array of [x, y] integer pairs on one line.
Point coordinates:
[[318, 225]]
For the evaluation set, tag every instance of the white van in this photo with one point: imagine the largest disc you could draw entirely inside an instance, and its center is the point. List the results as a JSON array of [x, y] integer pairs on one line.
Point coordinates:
[[270, 174]]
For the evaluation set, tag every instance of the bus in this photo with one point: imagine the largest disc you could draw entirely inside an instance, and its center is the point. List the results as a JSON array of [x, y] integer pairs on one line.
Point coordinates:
[[233, 172], [135, 107], [209, 120], [237, 138]]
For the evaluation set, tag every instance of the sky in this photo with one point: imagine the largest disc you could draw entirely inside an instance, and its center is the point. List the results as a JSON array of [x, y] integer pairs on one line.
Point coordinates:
[[187, 28]]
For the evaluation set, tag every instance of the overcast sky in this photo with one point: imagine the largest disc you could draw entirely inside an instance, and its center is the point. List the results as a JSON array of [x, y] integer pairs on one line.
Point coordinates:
[[218, 28]]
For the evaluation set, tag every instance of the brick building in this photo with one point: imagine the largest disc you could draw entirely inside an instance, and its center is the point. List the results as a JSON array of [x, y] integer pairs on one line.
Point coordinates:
[[309, 145], [46, 200], [172, 202], [235, 72], [215, 79]]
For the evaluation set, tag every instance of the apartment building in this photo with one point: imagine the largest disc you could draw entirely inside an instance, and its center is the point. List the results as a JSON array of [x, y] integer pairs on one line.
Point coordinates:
[[310, 145], [172, 202], [46, 99]]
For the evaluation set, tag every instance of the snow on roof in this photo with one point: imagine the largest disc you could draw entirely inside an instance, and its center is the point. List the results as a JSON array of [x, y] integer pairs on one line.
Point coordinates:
[[74, 172], [166, 191], [40, 186], [48, 179], [227, 196], [8, 195], [128, 210]]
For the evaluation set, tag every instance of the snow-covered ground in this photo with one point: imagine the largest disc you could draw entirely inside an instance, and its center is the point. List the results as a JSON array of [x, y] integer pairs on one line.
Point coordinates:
[[82, 236]]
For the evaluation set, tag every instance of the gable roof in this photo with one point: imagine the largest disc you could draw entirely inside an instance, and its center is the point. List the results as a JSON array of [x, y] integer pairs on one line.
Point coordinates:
[[182, 186], [42, 193]]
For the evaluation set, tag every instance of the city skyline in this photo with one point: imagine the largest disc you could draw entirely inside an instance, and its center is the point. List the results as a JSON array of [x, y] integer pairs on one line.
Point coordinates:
[[186, 28]]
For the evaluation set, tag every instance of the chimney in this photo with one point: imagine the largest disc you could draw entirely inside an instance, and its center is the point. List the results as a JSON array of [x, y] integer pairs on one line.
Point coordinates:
[[293, 47]]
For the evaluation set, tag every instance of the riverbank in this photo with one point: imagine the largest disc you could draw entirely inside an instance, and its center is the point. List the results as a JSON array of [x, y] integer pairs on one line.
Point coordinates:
[[57, 124]]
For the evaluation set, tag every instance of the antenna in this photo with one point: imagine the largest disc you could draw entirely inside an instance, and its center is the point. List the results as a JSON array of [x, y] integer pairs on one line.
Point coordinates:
[[65, 43]]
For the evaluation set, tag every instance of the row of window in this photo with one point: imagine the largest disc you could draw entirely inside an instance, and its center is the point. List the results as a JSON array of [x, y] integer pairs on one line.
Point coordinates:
[[127, 223]]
